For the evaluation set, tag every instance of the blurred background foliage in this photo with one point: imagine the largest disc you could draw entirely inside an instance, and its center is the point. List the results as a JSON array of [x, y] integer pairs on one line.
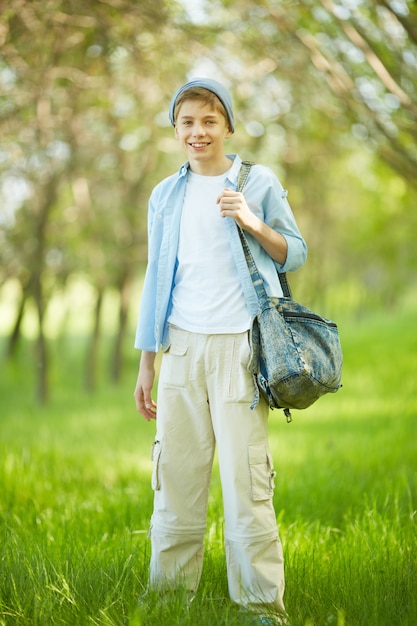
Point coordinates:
[[325, 93]]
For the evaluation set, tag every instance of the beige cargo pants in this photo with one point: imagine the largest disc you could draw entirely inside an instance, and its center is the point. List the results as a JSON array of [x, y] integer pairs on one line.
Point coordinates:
[[204, 398]]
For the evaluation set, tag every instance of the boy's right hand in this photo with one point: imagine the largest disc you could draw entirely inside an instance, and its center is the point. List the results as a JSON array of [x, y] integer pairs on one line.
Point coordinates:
[[143, 390]]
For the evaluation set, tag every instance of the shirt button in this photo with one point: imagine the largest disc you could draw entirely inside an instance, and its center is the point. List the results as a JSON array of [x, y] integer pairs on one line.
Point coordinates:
[[159, 216]]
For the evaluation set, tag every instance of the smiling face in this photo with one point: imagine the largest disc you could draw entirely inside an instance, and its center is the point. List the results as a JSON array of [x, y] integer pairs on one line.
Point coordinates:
[[201, 129]]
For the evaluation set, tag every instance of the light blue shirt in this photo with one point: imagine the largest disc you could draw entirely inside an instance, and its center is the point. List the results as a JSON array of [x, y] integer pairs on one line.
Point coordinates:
[[265, 197]]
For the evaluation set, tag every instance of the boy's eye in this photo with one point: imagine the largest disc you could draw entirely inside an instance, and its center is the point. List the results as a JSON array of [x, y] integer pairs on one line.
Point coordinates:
[[190, 122]]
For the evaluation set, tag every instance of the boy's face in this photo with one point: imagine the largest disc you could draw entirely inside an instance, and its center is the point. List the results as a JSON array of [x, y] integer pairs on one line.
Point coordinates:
[[201, 131]]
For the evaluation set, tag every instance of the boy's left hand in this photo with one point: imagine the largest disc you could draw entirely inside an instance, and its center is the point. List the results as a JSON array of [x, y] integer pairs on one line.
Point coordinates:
[[233, 204]]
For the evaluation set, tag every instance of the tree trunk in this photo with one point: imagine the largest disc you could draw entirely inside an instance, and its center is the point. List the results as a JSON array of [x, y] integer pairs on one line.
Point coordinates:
[[93, 349], [116, 365], [15, 334], [36, 286], [42, 364]]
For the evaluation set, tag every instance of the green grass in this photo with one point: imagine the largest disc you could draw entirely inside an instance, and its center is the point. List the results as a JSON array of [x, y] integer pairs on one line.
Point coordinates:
[[75, 498]]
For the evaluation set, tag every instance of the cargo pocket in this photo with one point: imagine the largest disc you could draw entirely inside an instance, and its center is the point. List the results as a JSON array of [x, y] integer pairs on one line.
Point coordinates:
[[175, 366], [262, 472], [155, 457]]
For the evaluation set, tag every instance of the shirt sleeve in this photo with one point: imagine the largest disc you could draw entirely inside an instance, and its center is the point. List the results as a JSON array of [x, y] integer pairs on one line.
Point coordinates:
[[145, 335], [268, 200]]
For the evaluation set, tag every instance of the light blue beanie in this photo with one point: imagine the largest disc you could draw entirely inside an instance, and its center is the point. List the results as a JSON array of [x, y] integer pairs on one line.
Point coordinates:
[[211, 85]]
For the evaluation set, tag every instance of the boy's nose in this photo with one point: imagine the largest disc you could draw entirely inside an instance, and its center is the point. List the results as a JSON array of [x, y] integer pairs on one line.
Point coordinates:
[[198, 130]]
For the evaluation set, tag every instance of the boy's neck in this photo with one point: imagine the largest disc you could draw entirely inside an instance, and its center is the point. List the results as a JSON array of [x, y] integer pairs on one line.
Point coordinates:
[[208, 168]]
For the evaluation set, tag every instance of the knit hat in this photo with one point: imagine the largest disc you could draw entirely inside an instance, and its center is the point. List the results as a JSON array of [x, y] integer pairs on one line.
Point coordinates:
[[211, 85]]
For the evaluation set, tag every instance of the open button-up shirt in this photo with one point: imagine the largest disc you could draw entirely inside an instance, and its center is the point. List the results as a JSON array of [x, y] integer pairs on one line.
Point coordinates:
[[265, 197]]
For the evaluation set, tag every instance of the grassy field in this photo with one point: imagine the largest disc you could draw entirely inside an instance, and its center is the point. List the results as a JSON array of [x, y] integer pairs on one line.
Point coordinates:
[[75, 498]]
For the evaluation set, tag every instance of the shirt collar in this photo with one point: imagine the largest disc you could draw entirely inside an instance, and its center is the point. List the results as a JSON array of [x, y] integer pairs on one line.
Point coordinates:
[[232, 175], [184, 169], [234, 170]]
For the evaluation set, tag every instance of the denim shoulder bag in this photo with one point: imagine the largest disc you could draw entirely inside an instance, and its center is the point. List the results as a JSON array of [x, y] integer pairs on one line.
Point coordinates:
[[296, 355]]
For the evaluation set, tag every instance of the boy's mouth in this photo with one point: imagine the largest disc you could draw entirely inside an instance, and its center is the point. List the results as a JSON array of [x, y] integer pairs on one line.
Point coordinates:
[[199, 145]]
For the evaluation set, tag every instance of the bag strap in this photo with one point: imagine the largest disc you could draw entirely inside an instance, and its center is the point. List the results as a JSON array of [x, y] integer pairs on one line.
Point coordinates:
[[243, 175], [256, 277]]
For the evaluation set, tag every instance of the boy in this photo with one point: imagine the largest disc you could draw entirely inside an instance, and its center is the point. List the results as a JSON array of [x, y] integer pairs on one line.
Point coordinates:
[[197, 304]]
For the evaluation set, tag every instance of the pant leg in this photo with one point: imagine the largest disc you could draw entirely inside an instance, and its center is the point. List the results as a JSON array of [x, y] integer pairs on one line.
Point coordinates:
[[253, 549], [183, 458]]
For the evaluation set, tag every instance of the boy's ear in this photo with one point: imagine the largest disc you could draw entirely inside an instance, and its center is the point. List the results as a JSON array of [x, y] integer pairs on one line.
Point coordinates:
[[176, 131]]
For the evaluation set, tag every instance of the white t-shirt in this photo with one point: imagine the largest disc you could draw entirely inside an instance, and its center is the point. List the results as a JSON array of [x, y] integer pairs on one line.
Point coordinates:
[[207, 295]]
